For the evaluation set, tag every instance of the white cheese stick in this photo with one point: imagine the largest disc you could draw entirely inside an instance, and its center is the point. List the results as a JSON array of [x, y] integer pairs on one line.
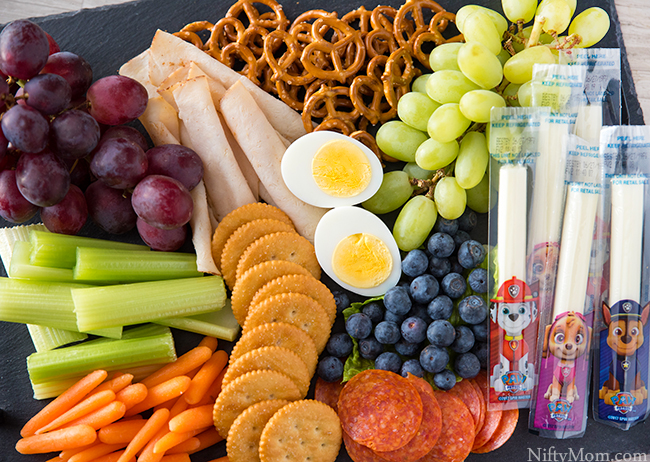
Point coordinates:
[[589, 123], [511, 234]]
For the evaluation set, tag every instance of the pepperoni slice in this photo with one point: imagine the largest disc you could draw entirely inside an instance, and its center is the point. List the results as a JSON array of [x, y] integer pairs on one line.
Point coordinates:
[[483, 408], [457, 436], [328, 392], [380, 409], [466, 392], [429, 430], [492, 418], [504, 431], [359, 452]]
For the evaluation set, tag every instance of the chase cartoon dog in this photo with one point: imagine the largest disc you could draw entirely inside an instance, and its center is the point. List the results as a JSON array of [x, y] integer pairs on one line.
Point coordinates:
[[625, 321], [567, 338], [513, 309]]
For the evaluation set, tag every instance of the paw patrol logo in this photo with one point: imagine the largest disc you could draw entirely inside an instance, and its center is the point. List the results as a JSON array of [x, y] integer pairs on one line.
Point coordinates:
[[513, 290], [559, 410], [513, 381], [627, 307], [623, 402]]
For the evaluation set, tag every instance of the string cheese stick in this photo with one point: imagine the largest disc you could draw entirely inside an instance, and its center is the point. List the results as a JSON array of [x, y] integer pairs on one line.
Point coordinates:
[[589, 123], [511, 239]]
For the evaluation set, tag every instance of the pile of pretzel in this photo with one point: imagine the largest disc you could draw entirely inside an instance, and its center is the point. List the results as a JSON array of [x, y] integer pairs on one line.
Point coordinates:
[[342, 74]]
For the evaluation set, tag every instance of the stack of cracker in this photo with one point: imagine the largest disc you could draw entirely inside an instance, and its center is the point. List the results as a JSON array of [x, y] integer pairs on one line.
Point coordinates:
[[287, 315]]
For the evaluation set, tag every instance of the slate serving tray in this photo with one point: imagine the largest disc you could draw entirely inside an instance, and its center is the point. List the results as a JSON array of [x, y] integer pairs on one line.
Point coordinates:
[[109, 36]]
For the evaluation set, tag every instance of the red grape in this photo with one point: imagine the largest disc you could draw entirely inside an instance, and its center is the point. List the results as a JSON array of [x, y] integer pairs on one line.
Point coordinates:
[[26, 128], [69, 215], [162, 202], [166, 240], [73, 68], [49, 93], [110, 208], [124, 131], [42, 178], [54, 47], [79, 172], [119, 163], [4, 94], [3, 144], [176, 161], [74, 134], [116, 100], [13, 206], [24, 49]]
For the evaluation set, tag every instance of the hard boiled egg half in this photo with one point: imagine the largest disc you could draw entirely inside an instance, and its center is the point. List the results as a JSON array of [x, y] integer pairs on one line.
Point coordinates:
[[327, 169], [357, 251]]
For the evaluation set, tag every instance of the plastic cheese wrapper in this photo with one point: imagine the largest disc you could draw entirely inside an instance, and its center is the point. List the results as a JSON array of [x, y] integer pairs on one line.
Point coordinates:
[[514, 140], [622, 326]]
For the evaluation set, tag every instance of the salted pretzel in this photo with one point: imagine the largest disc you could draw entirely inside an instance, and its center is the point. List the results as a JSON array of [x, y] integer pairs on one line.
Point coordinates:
[[438, 24], [360, 17], [398, 75], [333, 99], [372, 110], [336, 124], [416, 10], [189, 32], [270, 21], [283, 65]]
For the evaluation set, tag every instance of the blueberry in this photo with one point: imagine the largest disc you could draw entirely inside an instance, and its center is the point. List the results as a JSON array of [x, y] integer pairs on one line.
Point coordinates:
[[441, 245], [445, 380], [370, 348], [439, 267], [394, 317], [412, 366], [446, 226], [358, 325], [453, 285], [441, 333], [472, 309], [339, 345], [387, 333], [464, 340], [342, 300], [467, 365], [478, 280], [415, 263], [374, 311], [433, 359], [397, 300], [455, 266], [468, 220], [389, 361], [406, 349], [480, 350], [424, 288], [420, 311], [460, 237], [471, 254], [480, 332], [440, 307], [330, 369], [414, 330]]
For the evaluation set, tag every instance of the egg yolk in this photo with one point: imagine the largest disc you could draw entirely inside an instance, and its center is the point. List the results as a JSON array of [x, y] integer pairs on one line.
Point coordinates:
[[341, 169], [362, 260]]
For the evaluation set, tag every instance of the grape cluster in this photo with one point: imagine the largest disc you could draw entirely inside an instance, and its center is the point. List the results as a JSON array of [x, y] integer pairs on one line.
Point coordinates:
[[64, 148], [434, 321]]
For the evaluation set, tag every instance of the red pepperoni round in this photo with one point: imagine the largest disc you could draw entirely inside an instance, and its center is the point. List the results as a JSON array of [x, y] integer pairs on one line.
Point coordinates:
[[429, 430], [466, 392], [380, 409], [504, 431], [328, 392], [359, 452], [492, 418], [483, 408]]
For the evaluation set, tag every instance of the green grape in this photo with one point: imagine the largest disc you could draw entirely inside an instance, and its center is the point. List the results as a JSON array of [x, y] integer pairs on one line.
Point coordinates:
[[450, 198], [499, 21], [516, 10], [414, 223], [572, 5], [448, 86], [432, 154], [420, 83], [556, 15], [477, 104], [479, 198], [444, 57], [479, 28], [510, 94], [519, 68], [503, 56], [544, 39], [480, 65], [415, 171], [394, 191], [592, 25], [447, 123], [399, 140], [472, 160], [525, 94], [415, 108]]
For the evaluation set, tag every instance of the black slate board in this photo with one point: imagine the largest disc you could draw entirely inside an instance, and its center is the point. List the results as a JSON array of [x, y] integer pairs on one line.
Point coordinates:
[[109, 36]]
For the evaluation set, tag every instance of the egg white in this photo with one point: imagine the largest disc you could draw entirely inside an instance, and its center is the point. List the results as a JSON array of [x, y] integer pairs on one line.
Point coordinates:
[[341, 222], [296, 168]]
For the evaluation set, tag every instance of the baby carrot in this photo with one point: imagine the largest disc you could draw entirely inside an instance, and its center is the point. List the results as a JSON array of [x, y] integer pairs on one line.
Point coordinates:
[[208, 438], [156, 422], [88, 405], [120, 432], [192, 419], [184, 364], [113, 457], [147, 454], [58, 440], [206, 376], [66, 454], [181, 457], [210, 342], [117, 383], [171, 439], [132, 395], [96, 451], [170, 389], [186, 446], [210, 396], [101, 417], [64, 402]]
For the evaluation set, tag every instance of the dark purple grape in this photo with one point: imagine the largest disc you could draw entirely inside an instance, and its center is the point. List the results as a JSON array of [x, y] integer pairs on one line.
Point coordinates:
[[74, 134], [124, 131], [162, 202], [73, 68], [176, 161], [54, 47], [166, 240], [24, 49], [26, 128], [110, 208], [79, 172], [13, 206], [4, 94], [117, 99], [49, 93], [4, 142], [42, 178], [69, 215], [119, 163]]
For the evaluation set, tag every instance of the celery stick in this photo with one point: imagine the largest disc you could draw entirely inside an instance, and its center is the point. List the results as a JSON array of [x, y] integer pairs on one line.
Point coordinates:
[[60, 250], [21, 267], [8, 236], [94, 264], [49, 338], [221, 324], [126, 304]]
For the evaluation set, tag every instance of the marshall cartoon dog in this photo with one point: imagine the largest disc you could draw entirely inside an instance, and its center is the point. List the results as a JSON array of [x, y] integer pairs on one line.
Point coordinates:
[[513, 309], [625, 321], [567, 339]]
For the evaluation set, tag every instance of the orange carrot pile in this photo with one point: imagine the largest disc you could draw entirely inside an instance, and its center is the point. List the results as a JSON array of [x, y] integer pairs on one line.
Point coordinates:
[[98, 419]]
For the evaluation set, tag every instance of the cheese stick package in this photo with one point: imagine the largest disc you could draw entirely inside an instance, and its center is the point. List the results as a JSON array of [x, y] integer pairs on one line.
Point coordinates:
[[515, 139]]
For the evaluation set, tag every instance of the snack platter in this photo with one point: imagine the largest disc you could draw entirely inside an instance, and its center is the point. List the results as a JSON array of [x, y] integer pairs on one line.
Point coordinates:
[[108, 37]]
